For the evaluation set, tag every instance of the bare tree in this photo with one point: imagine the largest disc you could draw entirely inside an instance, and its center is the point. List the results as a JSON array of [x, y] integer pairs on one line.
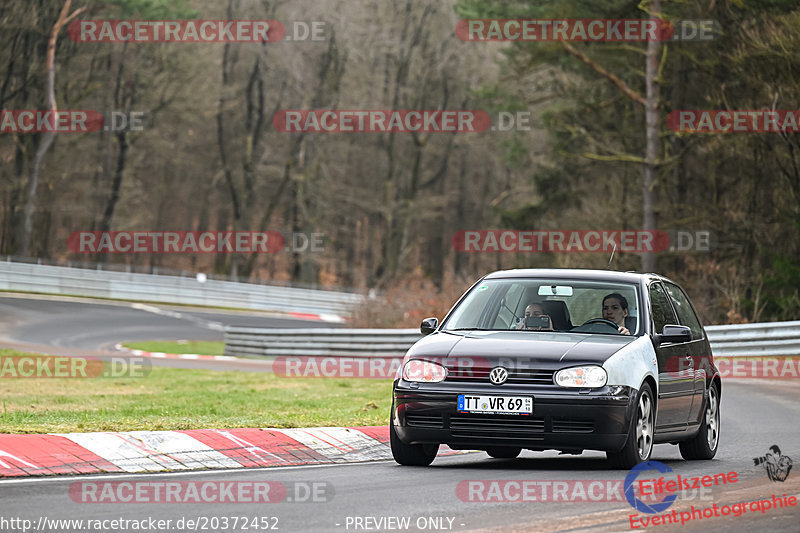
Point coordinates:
[[651, 131], [47, 139]]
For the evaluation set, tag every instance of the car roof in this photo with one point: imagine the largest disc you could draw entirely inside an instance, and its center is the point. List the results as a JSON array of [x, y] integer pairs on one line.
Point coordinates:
[[576, 273]]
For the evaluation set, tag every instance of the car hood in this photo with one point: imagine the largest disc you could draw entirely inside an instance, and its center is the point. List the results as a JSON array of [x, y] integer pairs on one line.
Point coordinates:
[[547, 347]]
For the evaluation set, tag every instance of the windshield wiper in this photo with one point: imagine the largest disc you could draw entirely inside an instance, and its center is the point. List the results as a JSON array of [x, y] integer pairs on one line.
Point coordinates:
[[469, 329]]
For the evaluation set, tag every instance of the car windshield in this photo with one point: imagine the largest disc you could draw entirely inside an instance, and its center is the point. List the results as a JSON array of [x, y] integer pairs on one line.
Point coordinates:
[[557, 305]]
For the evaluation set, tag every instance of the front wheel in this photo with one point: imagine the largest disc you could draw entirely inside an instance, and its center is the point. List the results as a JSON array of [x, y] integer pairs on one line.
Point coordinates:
[[410, 454], [639, 444], [704, 444]]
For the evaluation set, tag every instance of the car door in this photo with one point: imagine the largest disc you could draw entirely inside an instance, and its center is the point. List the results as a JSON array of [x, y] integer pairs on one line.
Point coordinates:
[[697, 349], [675, 375]]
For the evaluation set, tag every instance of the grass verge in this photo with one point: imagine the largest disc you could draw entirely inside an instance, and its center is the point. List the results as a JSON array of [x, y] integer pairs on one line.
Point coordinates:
[[198, 347], [174, 398]]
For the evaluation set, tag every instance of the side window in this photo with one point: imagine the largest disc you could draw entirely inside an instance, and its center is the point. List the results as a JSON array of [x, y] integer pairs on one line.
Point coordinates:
[[469, 316], [662, 311], [505, 316], [683, 307]]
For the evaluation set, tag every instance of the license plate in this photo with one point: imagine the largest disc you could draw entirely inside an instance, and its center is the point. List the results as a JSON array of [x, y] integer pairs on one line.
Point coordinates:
[[505, 405]]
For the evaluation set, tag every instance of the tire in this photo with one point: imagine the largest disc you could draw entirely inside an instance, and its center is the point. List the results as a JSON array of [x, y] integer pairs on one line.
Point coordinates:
[[410, 454], [504, 452], [704, 445], [639, 444]]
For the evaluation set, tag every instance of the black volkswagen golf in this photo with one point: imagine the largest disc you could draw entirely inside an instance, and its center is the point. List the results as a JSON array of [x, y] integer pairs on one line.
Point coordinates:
[[567, 360]]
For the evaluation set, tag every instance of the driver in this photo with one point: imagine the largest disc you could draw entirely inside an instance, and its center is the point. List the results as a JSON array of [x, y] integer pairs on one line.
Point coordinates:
[[615, 309], [535, 309]]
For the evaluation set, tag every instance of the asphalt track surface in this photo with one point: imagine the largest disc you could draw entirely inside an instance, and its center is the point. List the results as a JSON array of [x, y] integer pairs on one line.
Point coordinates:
[[755, 415], [86, 327]]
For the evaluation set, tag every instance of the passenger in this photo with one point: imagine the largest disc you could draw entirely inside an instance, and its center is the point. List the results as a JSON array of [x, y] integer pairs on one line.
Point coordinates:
[[615, 309], [535, 309]]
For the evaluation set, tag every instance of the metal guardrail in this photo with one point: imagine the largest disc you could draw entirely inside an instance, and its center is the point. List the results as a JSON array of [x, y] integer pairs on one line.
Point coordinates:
[[755, 340], [737, 340], [319, 342], [27, 277]]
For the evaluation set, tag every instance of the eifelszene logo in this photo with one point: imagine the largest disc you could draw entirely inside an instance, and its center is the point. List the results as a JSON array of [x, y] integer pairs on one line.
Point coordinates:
[[638, 504]]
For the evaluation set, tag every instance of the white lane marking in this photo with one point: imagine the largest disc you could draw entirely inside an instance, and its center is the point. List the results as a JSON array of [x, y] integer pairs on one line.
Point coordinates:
[[151, 309], [209, 324], [151, 475]]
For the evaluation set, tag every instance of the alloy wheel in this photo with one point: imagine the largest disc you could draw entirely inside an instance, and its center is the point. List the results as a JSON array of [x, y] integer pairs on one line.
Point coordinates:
[[644, 427], [712, 419]]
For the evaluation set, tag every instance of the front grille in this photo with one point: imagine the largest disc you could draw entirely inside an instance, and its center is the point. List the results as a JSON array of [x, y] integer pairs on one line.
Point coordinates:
[[433, 421], [457, 374], [499, 426], [573, 425]]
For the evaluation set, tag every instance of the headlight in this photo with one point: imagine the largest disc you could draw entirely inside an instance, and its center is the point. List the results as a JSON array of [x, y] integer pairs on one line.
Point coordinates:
[[424, 371], [582, 376]]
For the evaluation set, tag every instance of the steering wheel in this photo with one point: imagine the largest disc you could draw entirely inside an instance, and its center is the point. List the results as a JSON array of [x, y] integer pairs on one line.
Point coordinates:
[[603, 321]]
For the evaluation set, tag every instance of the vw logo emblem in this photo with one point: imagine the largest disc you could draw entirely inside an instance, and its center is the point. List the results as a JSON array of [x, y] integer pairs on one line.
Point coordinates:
[[498, 375]]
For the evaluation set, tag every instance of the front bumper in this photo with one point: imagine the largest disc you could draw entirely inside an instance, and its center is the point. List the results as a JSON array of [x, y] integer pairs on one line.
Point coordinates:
[[562, 419]]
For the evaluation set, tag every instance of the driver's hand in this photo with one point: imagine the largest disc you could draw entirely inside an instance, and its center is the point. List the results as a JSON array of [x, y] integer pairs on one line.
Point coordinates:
[[624, 330]]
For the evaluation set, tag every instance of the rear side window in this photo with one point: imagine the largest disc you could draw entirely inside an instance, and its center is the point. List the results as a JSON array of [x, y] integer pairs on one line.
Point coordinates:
[[662, 310], [683, 307]]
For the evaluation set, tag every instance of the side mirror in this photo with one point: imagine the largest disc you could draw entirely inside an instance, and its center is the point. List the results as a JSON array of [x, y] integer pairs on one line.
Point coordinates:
[[673, 333], [429, 325]]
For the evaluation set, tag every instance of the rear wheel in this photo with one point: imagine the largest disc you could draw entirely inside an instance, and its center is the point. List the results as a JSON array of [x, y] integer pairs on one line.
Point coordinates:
[[639, 444], [410, 454], [503, 452], [704, 444]]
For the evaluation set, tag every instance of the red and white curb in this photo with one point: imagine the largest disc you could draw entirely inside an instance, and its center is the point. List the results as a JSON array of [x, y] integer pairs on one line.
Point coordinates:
[[163, 355], [194, 449], [211, 324], [324, 317]]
